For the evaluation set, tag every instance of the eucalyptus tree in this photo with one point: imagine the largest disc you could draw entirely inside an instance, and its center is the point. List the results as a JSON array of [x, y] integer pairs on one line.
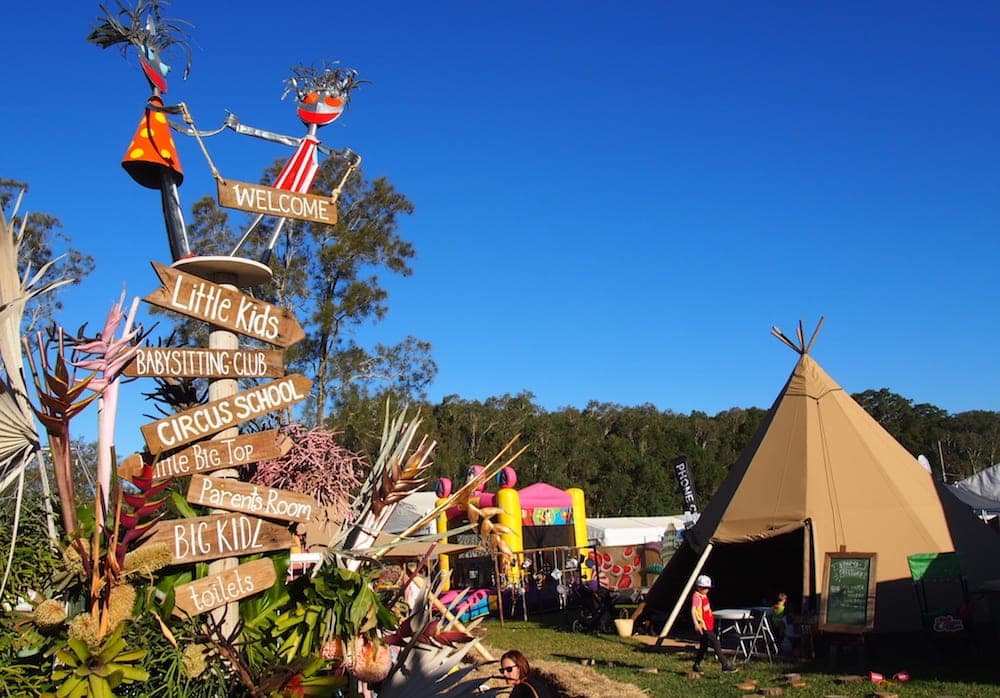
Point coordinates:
[[43, 242], [331, 277]]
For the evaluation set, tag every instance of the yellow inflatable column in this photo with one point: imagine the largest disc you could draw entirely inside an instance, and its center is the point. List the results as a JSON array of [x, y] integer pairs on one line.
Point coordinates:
[[509, 500], [579, 525], [444, 561]]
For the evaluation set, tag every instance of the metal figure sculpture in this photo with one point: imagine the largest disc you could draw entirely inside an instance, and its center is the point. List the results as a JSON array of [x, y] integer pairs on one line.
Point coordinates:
[[151, 158], [322, 95]]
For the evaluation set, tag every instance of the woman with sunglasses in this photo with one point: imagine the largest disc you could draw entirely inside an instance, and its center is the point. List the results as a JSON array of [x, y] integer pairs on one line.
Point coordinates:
[[516, 671]]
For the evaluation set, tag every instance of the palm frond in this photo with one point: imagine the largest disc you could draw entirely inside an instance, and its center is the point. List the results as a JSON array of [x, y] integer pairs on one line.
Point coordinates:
[[18, 438]]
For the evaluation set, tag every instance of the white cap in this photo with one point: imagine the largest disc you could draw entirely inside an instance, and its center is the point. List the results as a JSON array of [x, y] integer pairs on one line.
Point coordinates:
[[703, 580]]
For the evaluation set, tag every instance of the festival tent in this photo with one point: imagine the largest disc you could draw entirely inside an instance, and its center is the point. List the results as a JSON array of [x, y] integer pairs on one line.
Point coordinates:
[[630, 530], [409, 510], [822, 476], [981, 492]]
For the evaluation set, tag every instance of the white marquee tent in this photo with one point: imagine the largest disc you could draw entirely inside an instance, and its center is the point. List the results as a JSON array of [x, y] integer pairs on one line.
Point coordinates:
[[620, 530]]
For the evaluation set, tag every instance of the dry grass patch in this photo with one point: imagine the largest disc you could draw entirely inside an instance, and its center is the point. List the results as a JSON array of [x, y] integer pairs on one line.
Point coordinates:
[[566, 680]]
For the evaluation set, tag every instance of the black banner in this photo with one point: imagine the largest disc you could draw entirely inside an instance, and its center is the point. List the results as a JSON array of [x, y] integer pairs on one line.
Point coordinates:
[[686, 484]]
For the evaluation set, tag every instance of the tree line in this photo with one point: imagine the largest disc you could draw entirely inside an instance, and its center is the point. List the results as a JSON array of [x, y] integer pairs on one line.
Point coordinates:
[[621, 455]]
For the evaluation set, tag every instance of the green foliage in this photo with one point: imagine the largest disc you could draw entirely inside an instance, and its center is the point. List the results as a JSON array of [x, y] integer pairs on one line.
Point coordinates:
[[34, 560], [82, 671]]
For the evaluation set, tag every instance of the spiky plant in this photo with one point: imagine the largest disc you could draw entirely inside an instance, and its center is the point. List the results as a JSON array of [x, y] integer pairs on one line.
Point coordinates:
[[431, 655], [399, 470], [316, 465]]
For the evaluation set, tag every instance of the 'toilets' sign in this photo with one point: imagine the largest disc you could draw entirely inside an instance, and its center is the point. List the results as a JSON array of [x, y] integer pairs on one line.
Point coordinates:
[[202, 595]]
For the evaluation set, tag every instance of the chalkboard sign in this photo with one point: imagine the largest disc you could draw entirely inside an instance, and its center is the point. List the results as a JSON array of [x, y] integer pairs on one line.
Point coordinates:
[[848, 601]]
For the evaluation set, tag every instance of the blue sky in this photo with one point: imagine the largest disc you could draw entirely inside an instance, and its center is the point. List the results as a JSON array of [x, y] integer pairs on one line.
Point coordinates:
[[612, 203]]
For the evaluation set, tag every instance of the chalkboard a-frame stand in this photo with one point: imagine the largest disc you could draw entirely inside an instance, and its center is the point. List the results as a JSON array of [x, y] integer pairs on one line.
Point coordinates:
[[848, 601]]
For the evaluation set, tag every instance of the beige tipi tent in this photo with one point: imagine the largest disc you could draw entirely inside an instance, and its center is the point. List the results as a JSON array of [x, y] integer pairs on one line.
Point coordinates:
[[820, 476]]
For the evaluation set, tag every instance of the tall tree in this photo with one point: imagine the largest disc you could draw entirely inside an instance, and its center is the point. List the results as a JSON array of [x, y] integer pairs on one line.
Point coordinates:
[[329, 275], [44, 240]]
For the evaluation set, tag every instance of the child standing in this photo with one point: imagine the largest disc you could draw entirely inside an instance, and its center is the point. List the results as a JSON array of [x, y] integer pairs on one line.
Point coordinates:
[[704, 625]]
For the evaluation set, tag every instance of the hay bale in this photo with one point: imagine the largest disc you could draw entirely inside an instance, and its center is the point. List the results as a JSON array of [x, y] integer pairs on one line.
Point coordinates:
[[572, 681], [771, 691], [792, 677], [851, 678]]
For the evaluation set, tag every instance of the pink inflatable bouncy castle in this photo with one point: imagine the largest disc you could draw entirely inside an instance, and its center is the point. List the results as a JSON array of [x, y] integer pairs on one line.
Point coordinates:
[[543, 520]]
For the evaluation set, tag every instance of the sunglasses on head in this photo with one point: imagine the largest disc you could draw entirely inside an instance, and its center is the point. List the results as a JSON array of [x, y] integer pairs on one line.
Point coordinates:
[[507, 669]]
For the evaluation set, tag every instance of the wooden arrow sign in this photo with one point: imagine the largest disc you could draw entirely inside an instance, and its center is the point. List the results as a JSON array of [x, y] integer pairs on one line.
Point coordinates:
[[206, 456], [204, 420], [206, 363], [224, 493], [225, 535], [269, 201], [202, 595], [223, 307]]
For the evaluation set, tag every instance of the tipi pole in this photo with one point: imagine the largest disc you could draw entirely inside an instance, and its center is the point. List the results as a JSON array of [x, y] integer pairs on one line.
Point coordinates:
[[683, 597], [808, 592]]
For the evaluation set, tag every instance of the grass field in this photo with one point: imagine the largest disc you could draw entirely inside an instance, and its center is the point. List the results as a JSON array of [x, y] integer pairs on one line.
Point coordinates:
[[966, 670]]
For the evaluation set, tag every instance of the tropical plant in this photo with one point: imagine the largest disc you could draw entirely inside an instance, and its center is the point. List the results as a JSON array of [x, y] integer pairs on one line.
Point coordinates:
[[83, 670]]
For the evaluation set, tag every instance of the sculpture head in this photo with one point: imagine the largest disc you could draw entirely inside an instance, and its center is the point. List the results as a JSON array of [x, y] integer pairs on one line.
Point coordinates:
[[144, 29], [322, 93]]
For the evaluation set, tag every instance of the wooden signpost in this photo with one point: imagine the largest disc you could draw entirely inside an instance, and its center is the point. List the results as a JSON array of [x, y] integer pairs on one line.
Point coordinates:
[[224, 307], [233, 495], [207, 593], [258, 198], [224, 535], [204, 420], [217, 454], [206, 363]]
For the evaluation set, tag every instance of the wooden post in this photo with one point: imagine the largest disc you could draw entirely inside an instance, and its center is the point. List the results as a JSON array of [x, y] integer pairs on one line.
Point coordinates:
[[496, 577], [230, 272], [683, 597], [218, 388]]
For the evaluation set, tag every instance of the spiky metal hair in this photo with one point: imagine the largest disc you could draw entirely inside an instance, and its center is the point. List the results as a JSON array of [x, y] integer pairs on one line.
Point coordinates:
[[329, 77], [142, 25]]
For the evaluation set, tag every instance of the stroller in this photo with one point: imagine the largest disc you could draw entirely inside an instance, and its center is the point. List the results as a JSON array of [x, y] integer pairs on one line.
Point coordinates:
[[597, 609]]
